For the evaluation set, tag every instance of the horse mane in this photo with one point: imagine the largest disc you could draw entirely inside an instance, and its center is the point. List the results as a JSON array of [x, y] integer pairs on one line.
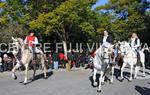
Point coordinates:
[[20, 40], [128, 46]]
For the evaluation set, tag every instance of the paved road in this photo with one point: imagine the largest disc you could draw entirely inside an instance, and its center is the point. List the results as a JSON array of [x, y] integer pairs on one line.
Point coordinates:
[[75, 82]]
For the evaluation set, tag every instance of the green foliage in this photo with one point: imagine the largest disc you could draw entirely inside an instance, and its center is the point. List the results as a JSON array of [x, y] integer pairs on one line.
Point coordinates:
[[71, 14], [87, 27], [123, 17], [74, 20]]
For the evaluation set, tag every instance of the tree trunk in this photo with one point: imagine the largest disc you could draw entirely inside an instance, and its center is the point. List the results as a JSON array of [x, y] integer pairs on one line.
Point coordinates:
[[65, 47], [64, 42]]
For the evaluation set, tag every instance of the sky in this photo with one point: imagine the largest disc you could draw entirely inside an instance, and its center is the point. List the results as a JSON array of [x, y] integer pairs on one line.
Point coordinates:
[[100, 2]]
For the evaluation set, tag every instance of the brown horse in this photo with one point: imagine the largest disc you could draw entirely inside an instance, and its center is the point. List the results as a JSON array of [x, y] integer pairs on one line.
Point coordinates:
[[119, 57], [120, 60]]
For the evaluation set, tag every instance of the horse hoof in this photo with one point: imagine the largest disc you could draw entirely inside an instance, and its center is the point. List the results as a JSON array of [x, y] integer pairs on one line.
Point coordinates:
[[32, 79], [110, 82], [103, 83], [99, 91], [121, 80], [24, 83], [94, 85], [130, 81], [15, 77], [46, 77]]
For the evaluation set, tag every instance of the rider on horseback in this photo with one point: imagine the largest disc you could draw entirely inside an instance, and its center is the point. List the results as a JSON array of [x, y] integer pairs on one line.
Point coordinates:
[[135, 44], [106, 42], [31, 41], [106, 39]]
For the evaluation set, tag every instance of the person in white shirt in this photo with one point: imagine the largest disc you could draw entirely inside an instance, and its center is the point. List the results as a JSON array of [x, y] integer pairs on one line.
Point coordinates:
[[135, 45], [106, 39], [135, 42], [107, 42]]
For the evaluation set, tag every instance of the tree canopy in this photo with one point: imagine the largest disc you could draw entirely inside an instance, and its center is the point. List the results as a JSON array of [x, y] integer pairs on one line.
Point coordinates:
[[74, 20]]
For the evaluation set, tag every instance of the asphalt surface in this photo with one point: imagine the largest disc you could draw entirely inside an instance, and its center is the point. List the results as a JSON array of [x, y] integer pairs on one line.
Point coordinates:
[[75, 82]]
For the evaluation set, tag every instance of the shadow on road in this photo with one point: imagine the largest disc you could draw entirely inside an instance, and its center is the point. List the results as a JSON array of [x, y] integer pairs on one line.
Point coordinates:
[[39, 76], [116, 75], [147, 65], [143, 90], [50, 73]]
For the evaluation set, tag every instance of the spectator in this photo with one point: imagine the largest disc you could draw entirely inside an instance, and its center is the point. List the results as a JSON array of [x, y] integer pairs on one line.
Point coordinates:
[[82, 58], [89, 60], [55, 59], [75, 57], [49, 57], [62, 60], [5, 57], [70, 60]]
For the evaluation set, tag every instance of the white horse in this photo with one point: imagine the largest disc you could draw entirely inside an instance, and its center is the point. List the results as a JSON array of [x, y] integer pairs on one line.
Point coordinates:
[[26, 58], [101, 64], [130, 58]]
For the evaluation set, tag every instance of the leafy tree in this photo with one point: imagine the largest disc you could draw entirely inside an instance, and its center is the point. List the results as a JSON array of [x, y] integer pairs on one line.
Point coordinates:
[[123, 17], [71, 14]]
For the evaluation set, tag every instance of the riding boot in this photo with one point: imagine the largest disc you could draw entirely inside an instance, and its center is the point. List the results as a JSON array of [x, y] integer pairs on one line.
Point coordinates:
[[34, 58]]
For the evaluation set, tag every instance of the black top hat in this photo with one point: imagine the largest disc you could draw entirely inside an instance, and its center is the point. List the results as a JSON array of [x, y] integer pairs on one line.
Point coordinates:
[[31, 31]]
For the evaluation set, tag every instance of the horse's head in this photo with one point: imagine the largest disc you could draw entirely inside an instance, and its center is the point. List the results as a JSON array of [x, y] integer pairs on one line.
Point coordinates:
[[107, 50], [124, 48], [17, 44]]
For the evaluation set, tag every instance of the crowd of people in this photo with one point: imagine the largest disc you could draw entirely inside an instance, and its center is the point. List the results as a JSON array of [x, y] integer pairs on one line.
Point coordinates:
[[6, 61], [54, 60]]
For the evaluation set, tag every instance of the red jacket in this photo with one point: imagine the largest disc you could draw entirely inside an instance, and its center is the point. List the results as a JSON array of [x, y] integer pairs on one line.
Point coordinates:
[[30, 39], [62, 56]]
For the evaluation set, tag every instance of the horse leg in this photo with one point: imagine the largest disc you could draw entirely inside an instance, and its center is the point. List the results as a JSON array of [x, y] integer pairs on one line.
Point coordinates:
[[142, 57], [45, 71], [34, 71], [100, 81], [14, 63], [143, 65], [94, 77], [26, 74], [112, 73], [14, 69], [103, 80], [43, 60], [131, 72], [122, 68], [136, 71]]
